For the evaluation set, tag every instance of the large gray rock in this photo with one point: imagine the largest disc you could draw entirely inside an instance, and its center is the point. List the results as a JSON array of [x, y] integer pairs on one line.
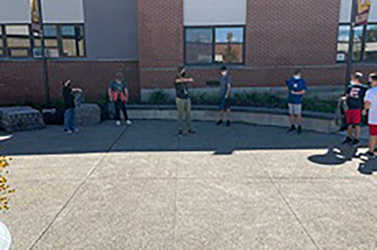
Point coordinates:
[[88, 114], [20, 119]]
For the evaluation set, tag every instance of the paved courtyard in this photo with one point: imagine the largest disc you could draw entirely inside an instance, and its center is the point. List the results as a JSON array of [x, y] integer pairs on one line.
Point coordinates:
[[142, 187]]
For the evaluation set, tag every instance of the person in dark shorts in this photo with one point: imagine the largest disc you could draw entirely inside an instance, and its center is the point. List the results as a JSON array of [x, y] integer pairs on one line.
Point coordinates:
[[297, 87], [225, 95], [118, 94], [371, 105], [183, 100], [69, 106], [355, 102]]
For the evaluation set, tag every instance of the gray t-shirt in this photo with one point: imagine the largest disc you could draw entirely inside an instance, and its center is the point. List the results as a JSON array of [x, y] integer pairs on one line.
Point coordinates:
[[224, 81]]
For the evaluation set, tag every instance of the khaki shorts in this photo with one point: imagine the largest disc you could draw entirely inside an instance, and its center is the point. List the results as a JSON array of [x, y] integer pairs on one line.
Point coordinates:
[[295, 109]]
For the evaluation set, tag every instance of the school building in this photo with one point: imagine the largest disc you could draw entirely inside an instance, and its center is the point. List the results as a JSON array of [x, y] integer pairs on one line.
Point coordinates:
[[261, 41]]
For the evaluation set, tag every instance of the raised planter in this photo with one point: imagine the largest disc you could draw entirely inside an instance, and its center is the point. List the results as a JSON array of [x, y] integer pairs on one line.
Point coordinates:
[[314, 121]]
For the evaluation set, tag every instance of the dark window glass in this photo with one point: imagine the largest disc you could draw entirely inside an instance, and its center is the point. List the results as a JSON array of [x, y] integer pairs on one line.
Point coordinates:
[[199, 46], [371, 43], [343, 42]]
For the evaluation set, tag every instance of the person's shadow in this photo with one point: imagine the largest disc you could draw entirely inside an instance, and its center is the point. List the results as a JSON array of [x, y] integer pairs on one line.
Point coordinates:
[[336, 155], [368, 166]]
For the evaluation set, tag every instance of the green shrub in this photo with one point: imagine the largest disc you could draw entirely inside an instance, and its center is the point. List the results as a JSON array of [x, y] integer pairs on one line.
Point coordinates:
[[159, 97]]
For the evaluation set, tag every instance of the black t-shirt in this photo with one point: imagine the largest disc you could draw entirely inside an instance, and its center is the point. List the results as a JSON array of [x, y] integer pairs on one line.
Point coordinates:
[[69, 98], [355, 96], [181, 89]]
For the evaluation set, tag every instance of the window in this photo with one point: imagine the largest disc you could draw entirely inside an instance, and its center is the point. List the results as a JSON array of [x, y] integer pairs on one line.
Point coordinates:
[[365, 43], [211, 45], [60, 41]]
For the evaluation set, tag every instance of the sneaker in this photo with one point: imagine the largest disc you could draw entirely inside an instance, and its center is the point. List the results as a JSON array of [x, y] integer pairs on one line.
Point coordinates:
[[128, 122], [180, 133], [293, 128], [370, 154], [68, 132], [118, 123], [228, 123], [299, 130], [219, 122], [355, 142], [347, 141], [191, 131]]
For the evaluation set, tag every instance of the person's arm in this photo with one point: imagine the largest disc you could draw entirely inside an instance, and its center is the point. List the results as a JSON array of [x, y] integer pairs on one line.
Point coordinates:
[[77, 90], [229, 86], [302, 92], [126, 92], [367, 105], [183, 80], [109, 91]]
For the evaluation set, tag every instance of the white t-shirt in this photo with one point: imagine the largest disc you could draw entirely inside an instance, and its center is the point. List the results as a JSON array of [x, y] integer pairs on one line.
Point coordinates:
[[371, 96]]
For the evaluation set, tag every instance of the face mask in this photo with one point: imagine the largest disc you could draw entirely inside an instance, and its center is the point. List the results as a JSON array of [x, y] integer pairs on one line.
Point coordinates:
[[296, 77], [224, 73]]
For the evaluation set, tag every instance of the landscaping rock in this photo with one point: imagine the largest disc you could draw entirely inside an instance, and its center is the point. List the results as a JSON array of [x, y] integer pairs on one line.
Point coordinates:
[[20, 119], [88, 114]]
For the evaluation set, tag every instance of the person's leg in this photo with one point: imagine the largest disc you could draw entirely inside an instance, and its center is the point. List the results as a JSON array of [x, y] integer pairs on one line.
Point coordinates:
[[124, 110], [188, 116], [72, 119], [117, 110], [372, 144], [180, 107], [222, 107], [66, 120], [358, 132], [292, 116]]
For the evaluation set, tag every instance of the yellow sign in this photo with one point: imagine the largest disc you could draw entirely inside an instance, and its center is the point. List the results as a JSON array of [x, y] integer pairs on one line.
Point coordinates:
[[363, 9], [35, 19]]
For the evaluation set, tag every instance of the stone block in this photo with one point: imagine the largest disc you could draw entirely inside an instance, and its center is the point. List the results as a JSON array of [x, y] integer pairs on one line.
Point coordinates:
[[88, 114], [20, 119]]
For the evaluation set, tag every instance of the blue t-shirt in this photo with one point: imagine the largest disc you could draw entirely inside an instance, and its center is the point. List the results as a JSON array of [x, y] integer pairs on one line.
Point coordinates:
[[296, 85]]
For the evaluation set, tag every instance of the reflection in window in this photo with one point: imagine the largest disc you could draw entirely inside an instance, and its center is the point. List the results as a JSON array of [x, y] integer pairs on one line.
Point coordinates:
[[214, 45], [17, 30], [19, 53], [371, 43], [365, 43], [69, 47], [199, 46]]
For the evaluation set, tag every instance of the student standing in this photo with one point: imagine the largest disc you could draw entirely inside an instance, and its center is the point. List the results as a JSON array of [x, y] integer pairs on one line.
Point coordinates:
[[118, 94], [69, 106], [297, 87], [371, 105], [355, 102], [225, 95], [183, 100]]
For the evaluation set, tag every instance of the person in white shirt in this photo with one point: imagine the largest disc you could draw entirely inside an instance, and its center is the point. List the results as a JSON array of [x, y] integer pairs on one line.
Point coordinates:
[[371, 105]]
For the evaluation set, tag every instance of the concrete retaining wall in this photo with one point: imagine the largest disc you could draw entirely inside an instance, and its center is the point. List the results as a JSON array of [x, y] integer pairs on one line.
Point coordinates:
[[318, 122]]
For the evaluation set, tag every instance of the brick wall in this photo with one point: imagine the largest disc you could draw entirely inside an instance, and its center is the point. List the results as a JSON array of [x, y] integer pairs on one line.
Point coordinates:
[[280, 36], [23, 82]]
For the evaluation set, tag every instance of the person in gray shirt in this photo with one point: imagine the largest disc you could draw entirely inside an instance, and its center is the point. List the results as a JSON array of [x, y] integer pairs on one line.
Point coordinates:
[[225, 95]]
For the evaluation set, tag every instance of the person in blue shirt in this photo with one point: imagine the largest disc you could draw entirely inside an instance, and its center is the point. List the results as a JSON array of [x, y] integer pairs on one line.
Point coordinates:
[[297, 87]]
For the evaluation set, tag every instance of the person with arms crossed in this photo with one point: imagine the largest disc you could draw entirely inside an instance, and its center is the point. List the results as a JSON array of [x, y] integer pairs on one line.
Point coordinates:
[[371, 105], [297, 87]]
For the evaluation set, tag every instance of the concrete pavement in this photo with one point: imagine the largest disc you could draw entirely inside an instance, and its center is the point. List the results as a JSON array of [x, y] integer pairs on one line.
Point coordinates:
[[142, 187]]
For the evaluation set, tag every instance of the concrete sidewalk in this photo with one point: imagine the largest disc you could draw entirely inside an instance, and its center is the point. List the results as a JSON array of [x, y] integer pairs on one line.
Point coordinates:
[[143, 187]]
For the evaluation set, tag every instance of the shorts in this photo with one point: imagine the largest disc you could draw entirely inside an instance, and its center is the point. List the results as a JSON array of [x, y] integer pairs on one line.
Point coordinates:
[[373, 129], [295, 109], [225, 104], [353, 117]]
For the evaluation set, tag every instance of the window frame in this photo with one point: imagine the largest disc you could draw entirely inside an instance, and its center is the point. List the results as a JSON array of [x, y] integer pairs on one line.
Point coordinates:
[[363, 44], [32, 40], [214, 43]]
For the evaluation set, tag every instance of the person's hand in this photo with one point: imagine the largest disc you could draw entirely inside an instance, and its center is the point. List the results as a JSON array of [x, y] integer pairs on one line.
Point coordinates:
[[364, 112]]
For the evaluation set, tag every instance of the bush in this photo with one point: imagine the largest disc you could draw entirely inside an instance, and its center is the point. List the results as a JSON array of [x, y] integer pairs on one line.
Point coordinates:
[[159, 97]]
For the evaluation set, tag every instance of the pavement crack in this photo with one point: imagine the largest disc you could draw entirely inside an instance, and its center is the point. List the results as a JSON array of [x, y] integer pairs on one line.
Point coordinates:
[[110, 148]]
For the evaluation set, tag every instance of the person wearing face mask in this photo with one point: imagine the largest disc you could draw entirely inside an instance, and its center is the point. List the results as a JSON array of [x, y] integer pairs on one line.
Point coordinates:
[[297, 87], [183, 100], [69, 106], [225, 95]]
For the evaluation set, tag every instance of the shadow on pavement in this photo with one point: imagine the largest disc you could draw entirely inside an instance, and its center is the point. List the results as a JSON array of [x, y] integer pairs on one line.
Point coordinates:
[[368, 166], [162, 136], [337, 155]]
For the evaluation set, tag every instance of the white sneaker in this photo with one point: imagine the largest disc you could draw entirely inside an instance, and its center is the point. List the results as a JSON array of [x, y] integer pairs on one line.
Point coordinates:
[[118, 123], [68, 132], [128, 122]]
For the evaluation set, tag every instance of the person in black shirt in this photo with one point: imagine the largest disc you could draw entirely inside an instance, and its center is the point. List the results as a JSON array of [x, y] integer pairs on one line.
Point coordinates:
[[355, 102], [183, 100], [69, 106]]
